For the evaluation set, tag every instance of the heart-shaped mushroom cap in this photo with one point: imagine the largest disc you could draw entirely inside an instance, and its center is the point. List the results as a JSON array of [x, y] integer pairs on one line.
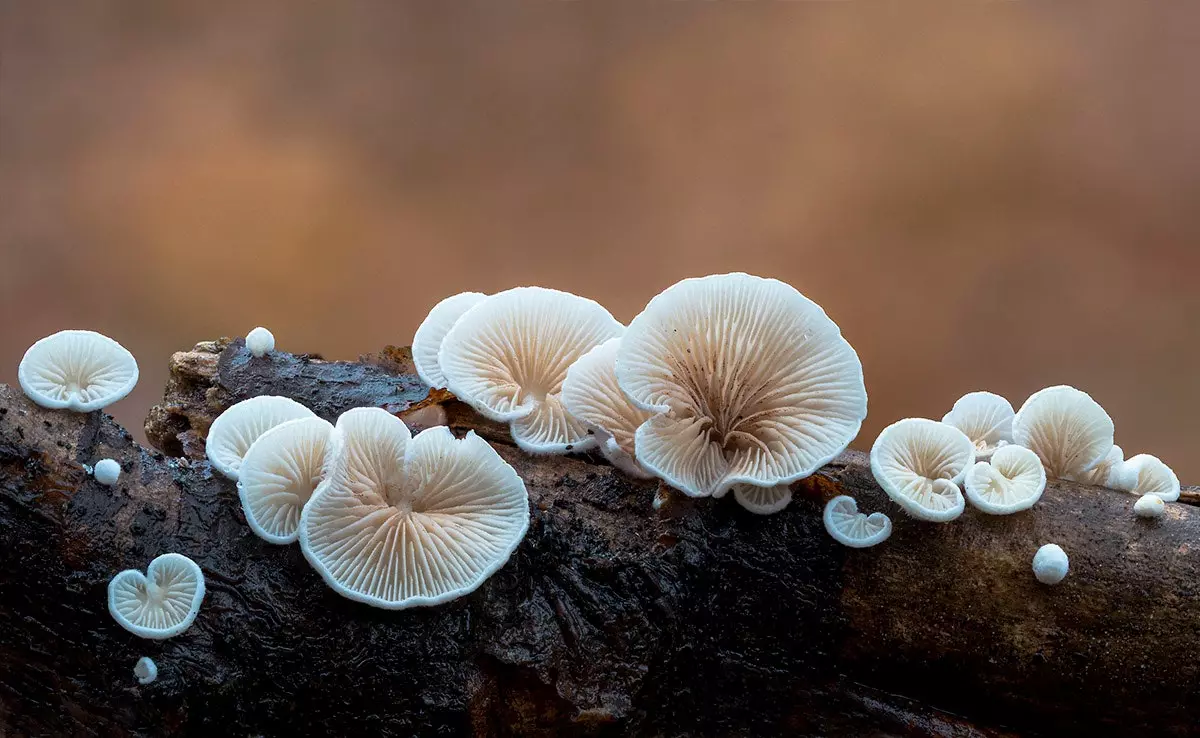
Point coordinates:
[[1012, 481], [1066, 428], [852, 528], [919, 463], [77, 370], [161, 603], [278, 475], [235, 430]]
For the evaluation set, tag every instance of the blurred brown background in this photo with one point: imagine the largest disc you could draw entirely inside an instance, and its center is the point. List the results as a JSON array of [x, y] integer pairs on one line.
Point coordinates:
[[997, 195]]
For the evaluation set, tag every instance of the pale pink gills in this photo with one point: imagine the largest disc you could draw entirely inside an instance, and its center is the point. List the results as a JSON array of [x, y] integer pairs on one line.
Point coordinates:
[[920, 463], [81, 371]]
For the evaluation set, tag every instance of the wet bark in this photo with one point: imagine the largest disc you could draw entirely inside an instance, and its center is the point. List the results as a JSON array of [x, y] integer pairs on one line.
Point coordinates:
[[612, 618]]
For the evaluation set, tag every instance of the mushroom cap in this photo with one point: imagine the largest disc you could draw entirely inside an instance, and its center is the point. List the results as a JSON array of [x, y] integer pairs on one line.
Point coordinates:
[[591, 394], [852, 528], [161, 603], [260, 341], [986, 418], [145, 670], [1050, 564], [429, 336], [1011, 482], [278, 476], [1066, 428], [508, 356], [751, 383], [77, 370], [763, 500], [919, 463], [1104, 473], [236, 429], [403, 522], [1149, 505], [107, 472], [1145, 474]]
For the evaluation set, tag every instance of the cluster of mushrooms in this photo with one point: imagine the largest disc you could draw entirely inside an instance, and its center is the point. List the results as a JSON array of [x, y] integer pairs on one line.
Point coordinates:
[[726, 383]]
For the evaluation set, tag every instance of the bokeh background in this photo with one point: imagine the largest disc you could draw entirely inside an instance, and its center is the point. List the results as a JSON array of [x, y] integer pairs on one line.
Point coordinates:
[[984, 195]]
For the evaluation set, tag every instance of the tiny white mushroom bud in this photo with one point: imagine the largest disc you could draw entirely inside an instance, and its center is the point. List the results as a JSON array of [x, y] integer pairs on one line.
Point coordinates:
[[145, 670], [107, 472], [260, 341], [1050, 564], [1149, 506]]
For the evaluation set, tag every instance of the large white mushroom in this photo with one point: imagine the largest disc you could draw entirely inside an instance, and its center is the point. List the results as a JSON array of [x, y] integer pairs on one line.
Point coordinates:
[[236, 429], [402, 522], [986, 418], [77, 370], [749, 381], [278, 475], [508, 355], [1012, 481], [161, 603], [1144, 475], [432, 331], [1066, 428], [591, 394], [920, 463]]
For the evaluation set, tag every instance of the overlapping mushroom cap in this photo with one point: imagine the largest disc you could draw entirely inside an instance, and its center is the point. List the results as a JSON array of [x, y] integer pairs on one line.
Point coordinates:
[[749, 380], [401, 522], [1103, 474], [1145, 474], [508, 355], [161, 603], [919, 463], [428, 340], [235, 430], [591, 394], [1066, 428], [77, 370], [986, 418], [278, 475], [1013, 480]]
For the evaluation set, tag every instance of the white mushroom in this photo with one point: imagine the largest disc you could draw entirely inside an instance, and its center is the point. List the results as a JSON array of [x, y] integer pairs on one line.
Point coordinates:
[[1012, 481], [1105, 473], [236, 429], [986, 418], [145, 670], [161, 603], [763, 500], [507, 357], [749, 380], [402, 522], [432, 331], [1050, 564], [1145, 474], [919, 463], [852, 528], [260, 341], [591, 394], [77, 370], [1149, 506], [1066, 428], [278, 476], [107, 472]]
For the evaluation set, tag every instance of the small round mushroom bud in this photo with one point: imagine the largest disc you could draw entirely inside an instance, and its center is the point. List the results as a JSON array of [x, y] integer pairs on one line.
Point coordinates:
[[77, 370], [145, 670], [986, 418], [1066, 428], [852, 528], [260, 341], [1149, 506], [920, 463], [107, 472], [1050, 564], [161, 603], [1145, 474]]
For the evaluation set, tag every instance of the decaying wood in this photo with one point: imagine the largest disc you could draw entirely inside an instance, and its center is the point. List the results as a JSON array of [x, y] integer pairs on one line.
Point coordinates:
[[612, 618]]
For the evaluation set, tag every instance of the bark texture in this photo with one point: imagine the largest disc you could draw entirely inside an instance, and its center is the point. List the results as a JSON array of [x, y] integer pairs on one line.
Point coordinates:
[[612, 618]]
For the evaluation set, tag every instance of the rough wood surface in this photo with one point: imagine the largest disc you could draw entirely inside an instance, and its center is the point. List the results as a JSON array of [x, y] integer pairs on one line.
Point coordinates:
[[611, 619]]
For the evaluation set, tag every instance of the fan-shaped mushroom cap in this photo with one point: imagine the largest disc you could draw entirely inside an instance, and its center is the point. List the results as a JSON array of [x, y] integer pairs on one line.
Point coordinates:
[[278, 476], [763, 500], [1050, 564], [1145, 474], [1012, 481], [507, 357], [1149, 505], [1066, 428], [260, 341], [236, 429], [432, 331], [107, 472], [161, 603], [1104, 473], [591, 393], [986, 418], [77, 370], [852, 528], [403, 522], [919, 463], [751, 383], [145, 670]]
